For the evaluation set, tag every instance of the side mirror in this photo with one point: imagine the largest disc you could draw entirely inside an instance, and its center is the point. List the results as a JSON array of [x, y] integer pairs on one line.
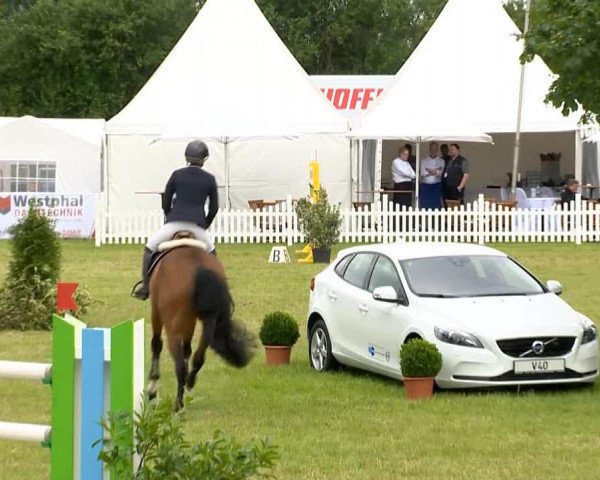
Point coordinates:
[[386, 294], [554, 286]]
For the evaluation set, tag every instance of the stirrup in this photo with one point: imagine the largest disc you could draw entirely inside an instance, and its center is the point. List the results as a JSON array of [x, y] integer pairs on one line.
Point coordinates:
[[140, 293]]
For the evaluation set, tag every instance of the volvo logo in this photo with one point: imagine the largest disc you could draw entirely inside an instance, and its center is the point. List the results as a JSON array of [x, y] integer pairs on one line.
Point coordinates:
[[538, 347]]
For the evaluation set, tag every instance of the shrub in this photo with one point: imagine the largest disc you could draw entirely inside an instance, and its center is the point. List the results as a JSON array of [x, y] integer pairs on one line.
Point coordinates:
[[320, 221], [165, 453], [28, 297], [420, 358], [35, 249], [279, 328]]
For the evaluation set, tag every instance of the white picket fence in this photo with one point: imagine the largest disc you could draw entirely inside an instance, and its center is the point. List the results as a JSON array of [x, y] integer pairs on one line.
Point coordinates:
[[478, 222]]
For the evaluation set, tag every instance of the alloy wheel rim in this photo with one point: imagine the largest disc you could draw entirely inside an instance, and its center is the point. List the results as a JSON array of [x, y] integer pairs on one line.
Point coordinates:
[[318, 349]]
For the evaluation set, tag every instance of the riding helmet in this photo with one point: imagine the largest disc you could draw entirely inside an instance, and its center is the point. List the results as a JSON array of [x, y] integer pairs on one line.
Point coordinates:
[[196, 151]]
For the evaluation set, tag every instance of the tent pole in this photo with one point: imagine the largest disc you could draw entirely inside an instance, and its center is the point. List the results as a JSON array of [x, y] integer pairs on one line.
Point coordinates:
[[226, 159], [378, 170], [350, 158], [359, 151], [578, 156], [515, 168], [104, 167], [418, 169]]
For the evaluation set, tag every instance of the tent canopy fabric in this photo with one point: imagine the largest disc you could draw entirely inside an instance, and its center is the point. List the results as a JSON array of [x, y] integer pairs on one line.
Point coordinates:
[[89, 130], [74, 146], [229, 77], [465, 74]]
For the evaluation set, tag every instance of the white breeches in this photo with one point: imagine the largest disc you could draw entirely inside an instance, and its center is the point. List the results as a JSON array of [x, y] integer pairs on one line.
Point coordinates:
[[169, 229]]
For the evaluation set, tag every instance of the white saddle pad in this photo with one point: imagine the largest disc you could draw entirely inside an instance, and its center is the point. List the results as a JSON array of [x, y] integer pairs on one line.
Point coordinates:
[[187, 242]]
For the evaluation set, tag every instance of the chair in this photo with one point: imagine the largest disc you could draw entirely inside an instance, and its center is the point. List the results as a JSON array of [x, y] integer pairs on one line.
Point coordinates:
[[522, 200], [534, 178], [510, 204], [501, 222], [255, 204]]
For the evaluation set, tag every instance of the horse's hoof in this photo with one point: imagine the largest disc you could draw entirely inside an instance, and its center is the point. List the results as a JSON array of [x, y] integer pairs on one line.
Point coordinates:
[[178, 405], [152, 389], [191, 381]]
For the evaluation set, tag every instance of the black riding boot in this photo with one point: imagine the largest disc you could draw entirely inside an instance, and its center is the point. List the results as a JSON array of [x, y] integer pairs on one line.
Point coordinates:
[[142, 292]]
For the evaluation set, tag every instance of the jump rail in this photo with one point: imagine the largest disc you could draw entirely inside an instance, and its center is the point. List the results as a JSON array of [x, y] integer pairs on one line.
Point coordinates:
[[94, 371], [27, 432]]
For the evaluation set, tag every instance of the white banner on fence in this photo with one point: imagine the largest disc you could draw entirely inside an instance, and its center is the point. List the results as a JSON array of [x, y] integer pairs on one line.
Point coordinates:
[[73, 213]]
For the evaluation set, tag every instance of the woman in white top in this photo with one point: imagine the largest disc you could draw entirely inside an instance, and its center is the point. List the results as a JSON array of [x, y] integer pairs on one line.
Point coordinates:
[[403, 175], [430, 192]]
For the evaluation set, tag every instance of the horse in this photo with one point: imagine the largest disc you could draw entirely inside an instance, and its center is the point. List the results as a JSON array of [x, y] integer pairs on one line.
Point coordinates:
[[188, 284]]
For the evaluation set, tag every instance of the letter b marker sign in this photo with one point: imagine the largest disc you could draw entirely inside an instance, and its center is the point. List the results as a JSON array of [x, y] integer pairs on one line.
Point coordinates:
[[279, 255]]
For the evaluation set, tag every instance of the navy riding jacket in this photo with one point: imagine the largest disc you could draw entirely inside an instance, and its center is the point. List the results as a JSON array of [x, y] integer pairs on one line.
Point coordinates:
[[185, 196]]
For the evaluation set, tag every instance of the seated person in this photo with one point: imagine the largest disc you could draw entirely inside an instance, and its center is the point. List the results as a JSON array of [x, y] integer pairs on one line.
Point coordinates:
[[569, 192]]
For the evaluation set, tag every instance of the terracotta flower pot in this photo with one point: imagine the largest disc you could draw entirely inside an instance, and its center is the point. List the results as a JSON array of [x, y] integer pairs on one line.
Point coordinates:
[[418, 387], [277, 355]]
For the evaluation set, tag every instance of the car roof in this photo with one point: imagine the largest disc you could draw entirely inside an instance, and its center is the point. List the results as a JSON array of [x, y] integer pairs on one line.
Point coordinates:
[[405, 250]]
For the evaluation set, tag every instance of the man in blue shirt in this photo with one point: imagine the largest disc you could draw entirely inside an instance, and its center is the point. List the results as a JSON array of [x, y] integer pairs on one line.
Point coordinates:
[[183, 203]]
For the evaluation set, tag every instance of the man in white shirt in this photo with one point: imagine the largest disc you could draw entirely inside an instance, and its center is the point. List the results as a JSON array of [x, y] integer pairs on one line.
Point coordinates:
[[403, 176], [430, 195]]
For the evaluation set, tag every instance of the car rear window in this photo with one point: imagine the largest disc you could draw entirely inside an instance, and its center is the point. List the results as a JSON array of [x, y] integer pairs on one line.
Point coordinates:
[[341, 266]]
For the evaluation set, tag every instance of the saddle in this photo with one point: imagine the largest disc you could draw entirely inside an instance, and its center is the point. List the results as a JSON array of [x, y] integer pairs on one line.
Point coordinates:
[[183, 238]]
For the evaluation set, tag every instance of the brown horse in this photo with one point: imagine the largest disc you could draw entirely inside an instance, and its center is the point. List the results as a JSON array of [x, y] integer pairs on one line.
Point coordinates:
[[189, 285]]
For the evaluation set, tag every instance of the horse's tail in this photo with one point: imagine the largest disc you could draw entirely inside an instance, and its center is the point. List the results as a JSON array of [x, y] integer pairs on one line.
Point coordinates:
[[214, 306]]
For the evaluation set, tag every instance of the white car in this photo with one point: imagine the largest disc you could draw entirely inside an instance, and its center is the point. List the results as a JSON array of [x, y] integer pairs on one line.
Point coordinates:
[[493, 321]]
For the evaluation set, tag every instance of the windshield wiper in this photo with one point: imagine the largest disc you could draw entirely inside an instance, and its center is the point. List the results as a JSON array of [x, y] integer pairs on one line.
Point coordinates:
[[436, 295], [510, 294]]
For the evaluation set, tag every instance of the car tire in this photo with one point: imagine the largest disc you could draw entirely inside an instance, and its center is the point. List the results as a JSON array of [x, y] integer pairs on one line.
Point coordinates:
[[319, 348]]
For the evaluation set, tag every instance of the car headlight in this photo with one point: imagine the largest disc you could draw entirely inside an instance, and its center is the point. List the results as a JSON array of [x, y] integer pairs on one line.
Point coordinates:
[[456, 337], [590, 334]]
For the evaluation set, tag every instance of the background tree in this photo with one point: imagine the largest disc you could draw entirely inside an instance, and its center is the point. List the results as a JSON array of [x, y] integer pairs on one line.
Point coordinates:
[[351, 36], [565, 34], [84, 58], [88, 58], [7, 7]]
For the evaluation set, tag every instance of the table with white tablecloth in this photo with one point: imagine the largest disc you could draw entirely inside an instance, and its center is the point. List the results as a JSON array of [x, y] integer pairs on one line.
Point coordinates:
[[542, 202], [527, 222]]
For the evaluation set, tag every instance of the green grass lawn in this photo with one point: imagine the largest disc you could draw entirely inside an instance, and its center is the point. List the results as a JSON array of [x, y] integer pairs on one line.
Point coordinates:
[[343, 425]]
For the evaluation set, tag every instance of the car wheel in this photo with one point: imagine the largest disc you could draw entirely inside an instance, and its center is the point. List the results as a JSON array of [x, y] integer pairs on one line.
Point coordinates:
[[321, 358]]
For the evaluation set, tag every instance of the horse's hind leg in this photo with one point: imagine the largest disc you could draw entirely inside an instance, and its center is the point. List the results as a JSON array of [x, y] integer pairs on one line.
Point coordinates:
[[197, 362], [157, 345], [181, 367]]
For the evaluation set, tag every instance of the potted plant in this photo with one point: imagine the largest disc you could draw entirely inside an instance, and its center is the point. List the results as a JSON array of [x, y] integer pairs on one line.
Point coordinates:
[[420, 362], [278, 334], [321, 223]]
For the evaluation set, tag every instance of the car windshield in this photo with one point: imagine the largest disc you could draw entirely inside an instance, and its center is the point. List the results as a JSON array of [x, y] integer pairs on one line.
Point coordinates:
[[468, 276]]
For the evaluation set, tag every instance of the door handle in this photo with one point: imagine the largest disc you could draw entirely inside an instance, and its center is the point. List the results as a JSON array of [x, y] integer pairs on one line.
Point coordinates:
[[363, 308], [332, 295]]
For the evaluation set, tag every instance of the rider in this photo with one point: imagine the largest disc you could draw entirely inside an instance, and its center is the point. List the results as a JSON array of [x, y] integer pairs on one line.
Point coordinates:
[[190, 186]]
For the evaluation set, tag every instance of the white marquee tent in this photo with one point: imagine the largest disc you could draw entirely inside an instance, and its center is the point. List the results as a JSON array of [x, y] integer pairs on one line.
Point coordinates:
[[229, 78], [465, 75], [61, 155]]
